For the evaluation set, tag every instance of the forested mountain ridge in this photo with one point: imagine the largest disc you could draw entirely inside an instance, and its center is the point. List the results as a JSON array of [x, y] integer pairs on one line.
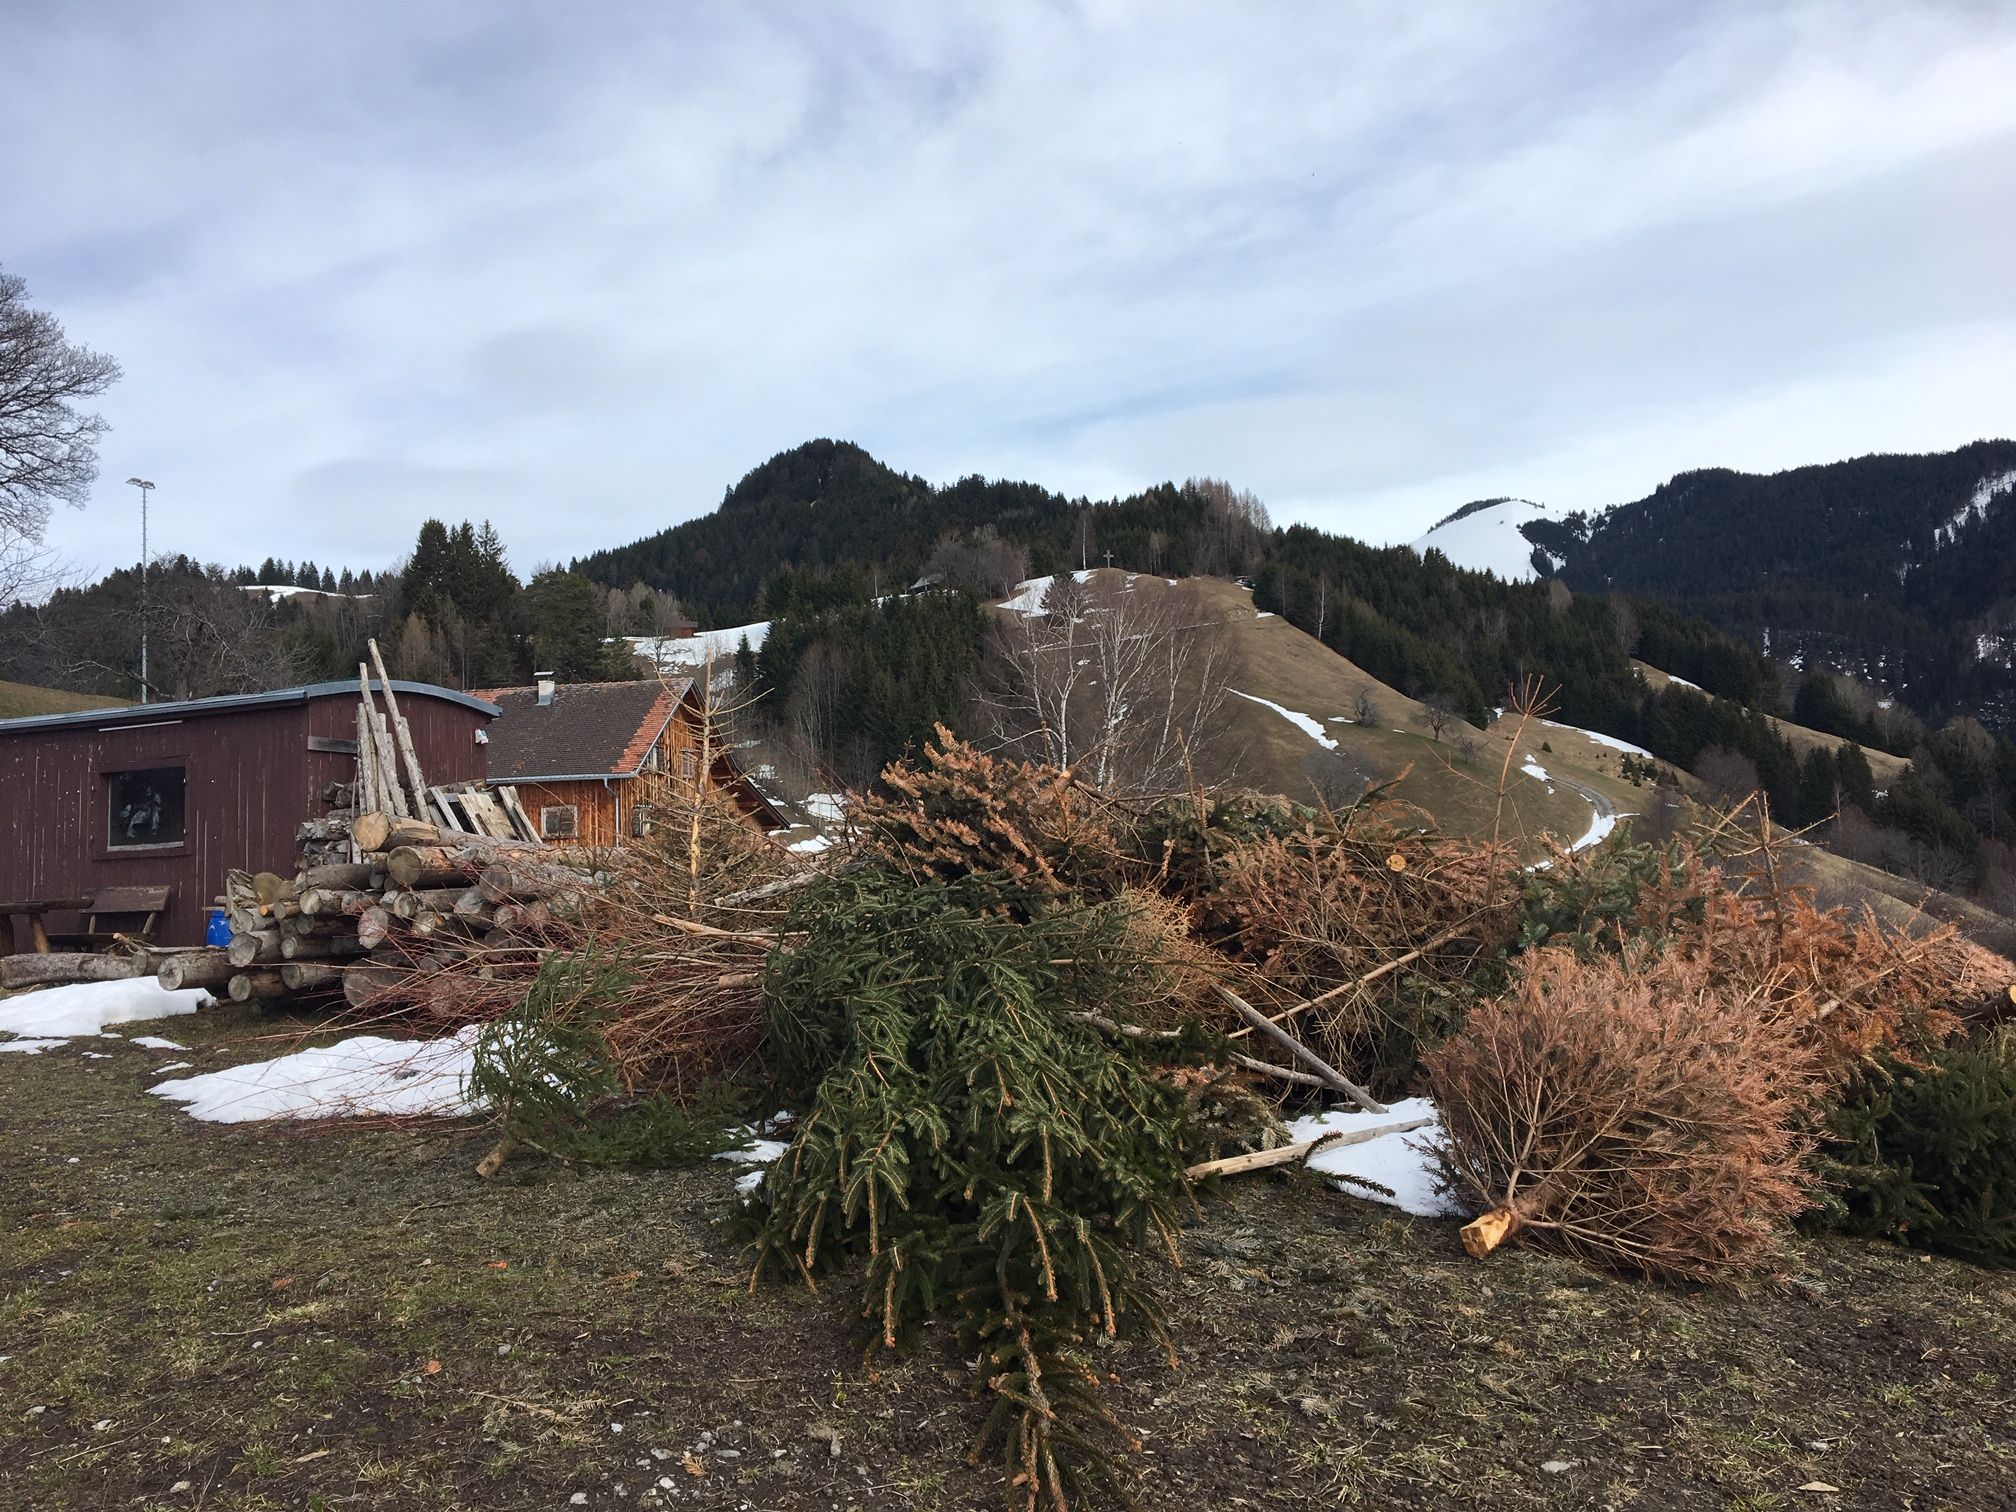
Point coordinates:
[[827, 503], [1900, 569]]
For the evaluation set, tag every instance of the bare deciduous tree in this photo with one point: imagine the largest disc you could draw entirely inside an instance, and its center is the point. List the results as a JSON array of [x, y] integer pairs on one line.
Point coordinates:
[[1438, 712], [48, 447], [1119, 680]]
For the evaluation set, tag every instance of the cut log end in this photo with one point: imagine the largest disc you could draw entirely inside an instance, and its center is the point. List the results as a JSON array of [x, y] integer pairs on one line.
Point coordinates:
[[1485, 1234]]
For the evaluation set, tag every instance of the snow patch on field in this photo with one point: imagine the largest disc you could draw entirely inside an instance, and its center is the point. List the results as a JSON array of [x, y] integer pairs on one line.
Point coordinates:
[[1028, 599], [1603, 740], [1534, 770], [54, 1014], [356, 1078], [1985, 493], [155, 1042], [1310, 727], [1403, 1162]]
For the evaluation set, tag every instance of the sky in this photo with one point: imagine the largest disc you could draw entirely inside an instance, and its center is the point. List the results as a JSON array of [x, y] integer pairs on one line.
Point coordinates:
[[576, 269]]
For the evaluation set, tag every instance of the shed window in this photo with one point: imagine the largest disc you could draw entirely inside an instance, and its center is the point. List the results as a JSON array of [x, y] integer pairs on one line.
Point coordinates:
[[559, 821], [145, 807], [643, 820], [689, 764]]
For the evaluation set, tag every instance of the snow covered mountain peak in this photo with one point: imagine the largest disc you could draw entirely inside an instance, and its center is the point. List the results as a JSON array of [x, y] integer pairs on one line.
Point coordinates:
[[1484, 536]]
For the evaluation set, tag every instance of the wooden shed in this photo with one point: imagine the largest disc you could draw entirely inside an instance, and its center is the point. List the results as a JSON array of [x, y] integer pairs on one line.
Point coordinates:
[[587, 758], [174, 795]]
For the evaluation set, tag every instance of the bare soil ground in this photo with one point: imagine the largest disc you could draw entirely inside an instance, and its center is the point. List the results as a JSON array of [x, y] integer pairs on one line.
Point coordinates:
[[195, 1316]]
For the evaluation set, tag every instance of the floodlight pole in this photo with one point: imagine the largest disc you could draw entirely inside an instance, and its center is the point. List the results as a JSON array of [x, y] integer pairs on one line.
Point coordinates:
[[145, 488]]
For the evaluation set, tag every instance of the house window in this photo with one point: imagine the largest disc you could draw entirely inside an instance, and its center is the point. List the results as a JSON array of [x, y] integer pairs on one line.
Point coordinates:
[[559, 821], [643, 820], [145, 808], [689, 764]]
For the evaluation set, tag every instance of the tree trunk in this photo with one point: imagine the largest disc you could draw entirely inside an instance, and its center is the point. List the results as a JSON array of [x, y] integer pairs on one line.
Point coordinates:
[[251, 986], [303, 976], [194, 968], [374, 927], [251, 948], [368, 831], [320, 947], [342, 876]]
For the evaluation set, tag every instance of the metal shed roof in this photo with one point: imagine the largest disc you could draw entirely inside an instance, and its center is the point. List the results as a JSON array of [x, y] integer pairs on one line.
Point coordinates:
[[228, 703]]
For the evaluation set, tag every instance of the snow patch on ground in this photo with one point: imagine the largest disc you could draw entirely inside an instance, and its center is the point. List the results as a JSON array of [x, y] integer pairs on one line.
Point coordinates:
[[1310, 727], [355, 1078], [288, 590], [682, 653], [1028, 599], [1681, 682], [810, 845], [1488, 540], [831, 807], [1600, 826], [1603, 740], [29, 1046], [155, 1042], [58, 1013], [1534, 770], [1404, 1162], [761, 1152]]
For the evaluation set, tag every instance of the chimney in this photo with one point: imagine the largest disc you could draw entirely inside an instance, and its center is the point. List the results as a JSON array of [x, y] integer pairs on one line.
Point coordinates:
[[545, 680]]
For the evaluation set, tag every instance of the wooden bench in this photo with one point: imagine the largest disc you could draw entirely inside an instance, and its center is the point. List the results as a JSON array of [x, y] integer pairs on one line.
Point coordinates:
[[122, 905], [32, 909]]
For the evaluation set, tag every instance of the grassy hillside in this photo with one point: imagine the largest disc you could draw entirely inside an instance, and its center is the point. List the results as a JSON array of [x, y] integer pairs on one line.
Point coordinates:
[[1262, 748], [22, 700], [1883, 766]]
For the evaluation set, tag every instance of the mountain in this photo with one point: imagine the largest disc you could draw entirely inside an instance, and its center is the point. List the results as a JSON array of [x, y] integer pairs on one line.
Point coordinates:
[[1489, 536], [1900, 570]]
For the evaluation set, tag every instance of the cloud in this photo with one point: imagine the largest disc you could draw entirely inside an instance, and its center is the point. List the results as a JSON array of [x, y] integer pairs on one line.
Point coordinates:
[[368, 263]]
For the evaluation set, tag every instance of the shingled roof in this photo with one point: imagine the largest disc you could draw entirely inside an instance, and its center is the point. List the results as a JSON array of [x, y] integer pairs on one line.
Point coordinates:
[[587, 730]]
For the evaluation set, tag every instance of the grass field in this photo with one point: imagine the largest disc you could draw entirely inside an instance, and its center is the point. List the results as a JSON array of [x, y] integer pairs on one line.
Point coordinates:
[[21, 700], [252, 1318]]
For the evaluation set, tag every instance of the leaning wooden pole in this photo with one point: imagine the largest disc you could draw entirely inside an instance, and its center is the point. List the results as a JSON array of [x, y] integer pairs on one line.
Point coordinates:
[[402, 735], [1336, 1080], [391, 795]]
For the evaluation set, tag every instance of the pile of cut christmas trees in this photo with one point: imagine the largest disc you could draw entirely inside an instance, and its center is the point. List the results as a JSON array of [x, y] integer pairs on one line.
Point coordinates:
[[1020, 1024]]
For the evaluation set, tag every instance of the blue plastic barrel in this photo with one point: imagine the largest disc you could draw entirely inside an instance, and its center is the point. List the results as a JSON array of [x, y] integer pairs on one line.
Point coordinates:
[[219, 931]]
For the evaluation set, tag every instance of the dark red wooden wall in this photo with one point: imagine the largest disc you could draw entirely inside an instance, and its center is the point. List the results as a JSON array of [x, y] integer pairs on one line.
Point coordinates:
[[251, 779]]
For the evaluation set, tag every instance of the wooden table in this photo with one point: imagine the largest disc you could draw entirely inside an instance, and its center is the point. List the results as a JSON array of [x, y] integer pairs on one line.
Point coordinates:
[[32, 909]]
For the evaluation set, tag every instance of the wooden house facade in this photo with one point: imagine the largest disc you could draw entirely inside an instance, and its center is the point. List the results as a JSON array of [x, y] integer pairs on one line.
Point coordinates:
[[173, 795], [593, 762]]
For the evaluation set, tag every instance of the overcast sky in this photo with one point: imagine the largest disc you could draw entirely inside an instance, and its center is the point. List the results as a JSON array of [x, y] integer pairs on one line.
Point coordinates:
[[578, 268]]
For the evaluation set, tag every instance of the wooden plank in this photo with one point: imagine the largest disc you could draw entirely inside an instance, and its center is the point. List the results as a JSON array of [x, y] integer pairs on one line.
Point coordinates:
[[489, 814], [522, 821], [330, 745], [444, 803]]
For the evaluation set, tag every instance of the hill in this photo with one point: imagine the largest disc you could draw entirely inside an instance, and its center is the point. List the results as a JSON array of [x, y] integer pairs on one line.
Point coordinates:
[[1900, 570], [24, 700], [1489, 536]]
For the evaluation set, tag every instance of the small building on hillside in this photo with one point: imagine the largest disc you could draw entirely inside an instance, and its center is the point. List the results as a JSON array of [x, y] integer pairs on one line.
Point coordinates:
[[591, 762], [162, 799]]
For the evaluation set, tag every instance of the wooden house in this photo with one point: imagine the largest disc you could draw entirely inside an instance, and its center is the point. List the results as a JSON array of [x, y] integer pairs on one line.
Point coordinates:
[[588, 759], [127, 806]]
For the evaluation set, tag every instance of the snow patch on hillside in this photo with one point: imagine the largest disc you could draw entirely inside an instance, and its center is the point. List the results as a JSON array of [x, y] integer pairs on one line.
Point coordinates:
[[682, 653], [1986, 492], [289, 590], [1488, 540], [1301, 721], [1028, 599], [1603, 740]]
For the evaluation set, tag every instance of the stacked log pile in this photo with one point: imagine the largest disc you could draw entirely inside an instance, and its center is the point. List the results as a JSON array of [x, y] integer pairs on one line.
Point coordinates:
[[415, 900]]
